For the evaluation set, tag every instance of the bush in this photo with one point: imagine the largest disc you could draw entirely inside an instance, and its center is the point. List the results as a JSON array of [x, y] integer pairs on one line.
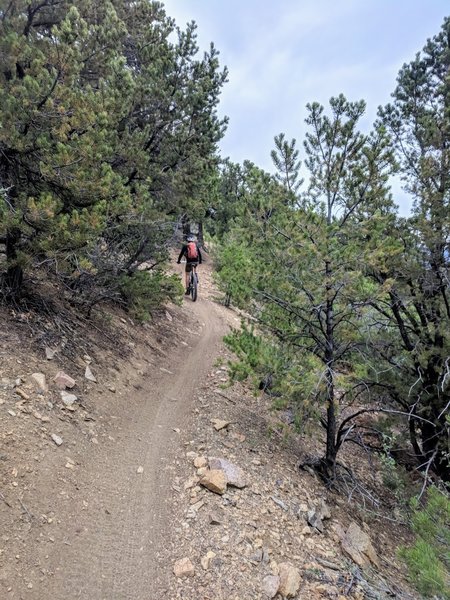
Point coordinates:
[[428, 560], [145, 291]]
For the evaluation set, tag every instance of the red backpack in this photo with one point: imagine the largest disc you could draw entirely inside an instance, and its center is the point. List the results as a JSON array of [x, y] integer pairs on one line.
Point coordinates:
[[192, 252]]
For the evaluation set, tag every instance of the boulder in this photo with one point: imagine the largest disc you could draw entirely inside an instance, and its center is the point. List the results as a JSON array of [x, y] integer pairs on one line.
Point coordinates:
[[184, 568], [215, 481], [63, 380], [235, 475], [356, 543], [289, 580]]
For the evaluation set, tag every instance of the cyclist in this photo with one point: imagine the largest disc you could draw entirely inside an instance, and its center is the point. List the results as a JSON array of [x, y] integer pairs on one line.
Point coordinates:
[[193, 257]]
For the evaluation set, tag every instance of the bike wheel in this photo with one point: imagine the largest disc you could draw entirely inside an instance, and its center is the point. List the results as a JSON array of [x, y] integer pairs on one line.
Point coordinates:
[[194, 287]]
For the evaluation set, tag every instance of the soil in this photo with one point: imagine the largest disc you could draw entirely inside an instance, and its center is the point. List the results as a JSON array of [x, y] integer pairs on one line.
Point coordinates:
[[106, 514]]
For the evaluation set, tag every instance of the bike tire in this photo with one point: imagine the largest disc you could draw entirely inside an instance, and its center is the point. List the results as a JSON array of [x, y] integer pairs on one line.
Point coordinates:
[[194, 287]]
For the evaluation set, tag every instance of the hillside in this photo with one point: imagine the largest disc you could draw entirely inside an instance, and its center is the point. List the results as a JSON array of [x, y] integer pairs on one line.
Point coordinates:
[[108, 507]]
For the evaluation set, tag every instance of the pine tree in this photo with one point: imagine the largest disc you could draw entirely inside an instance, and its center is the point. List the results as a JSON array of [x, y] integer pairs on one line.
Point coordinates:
[[108, 135], [417, 304], [304, 277]]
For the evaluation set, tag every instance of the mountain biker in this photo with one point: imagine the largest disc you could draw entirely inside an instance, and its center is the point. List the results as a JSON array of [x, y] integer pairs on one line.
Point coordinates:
[[193, 257]]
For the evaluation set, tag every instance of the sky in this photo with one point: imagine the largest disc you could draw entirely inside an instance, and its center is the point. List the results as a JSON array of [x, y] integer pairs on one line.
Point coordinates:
[[283, 54]]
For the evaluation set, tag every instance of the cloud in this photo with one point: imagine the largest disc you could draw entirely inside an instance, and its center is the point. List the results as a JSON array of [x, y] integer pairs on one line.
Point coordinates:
[[282, 55]]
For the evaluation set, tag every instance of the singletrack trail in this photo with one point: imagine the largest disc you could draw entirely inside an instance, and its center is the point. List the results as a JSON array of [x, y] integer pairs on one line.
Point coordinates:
[[113, 540]]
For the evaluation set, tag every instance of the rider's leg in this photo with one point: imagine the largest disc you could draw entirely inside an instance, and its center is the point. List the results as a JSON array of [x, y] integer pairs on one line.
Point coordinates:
[[187, 274]]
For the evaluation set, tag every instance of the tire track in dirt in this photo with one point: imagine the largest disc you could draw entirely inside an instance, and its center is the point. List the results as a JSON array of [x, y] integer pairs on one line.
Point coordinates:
[[115, 543]]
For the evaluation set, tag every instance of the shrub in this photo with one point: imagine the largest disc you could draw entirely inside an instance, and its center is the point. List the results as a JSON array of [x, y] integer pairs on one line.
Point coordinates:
[[428, 560], [145, 291]]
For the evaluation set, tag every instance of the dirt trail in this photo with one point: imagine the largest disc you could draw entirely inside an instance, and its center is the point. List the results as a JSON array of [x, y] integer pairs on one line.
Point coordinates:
[[115, 535], [105, 515]]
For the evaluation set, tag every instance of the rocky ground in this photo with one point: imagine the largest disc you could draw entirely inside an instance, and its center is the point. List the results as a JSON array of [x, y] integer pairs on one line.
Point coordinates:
[[267, 527], [152, 478]]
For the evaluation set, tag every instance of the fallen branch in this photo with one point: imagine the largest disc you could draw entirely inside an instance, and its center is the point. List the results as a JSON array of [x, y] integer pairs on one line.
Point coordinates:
[[2, 497], [25, 509]]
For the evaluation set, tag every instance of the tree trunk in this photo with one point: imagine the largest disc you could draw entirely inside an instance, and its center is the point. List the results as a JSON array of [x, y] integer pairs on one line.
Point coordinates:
[[14, 274], [201, 239], [186, 225], [435, 446], [331, 450]]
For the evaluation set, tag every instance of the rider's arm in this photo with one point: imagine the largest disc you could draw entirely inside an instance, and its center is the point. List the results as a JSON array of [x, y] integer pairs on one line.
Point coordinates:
[[199, 256], [182, 253]]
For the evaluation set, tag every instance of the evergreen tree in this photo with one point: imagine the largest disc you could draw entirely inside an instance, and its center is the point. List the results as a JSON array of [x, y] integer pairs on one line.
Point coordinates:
[[305, 273], [108, 135], [415, 311]]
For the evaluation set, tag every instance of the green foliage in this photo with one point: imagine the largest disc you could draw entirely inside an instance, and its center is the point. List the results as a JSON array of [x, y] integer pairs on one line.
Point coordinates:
[[300, 256], [234, 271], [108, 135], [428, 559], [412, 331], [285, 159], [331, 274], [291, 380], [145, 291], [257, 357]]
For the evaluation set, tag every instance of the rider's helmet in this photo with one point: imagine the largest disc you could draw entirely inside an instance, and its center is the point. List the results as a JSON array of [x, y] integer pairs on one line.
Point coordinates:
[[191, 238]]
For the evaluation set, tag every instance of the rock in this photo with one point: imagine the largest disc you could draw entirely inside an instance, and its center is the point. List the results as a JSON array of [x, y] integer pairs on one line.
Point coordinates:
[[257, 556], [89, 375], [40, 381], [63, 380], [206, 560], [169, 316], [216, 516], [166, 371], [270, 586], [49, 353], [234, 474], [218, 424], [280, 503], [184, 568], [140, 470], [324, 510], [289, 580], [314, 520], [58, 441], [200, 462], [356, 543], [68, 399], [22, 393], [190, 483], [215, 481]]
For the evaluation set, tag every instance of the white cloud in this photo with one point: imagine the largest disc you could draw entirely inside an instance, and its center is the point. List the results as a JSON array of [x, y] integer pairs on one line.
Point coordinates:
[[284, 54]]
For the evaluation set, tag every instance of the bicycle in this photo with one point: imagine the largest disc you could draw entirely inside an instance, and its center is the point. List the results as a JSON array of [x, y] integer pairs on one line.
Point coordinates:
[[193, 281]]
